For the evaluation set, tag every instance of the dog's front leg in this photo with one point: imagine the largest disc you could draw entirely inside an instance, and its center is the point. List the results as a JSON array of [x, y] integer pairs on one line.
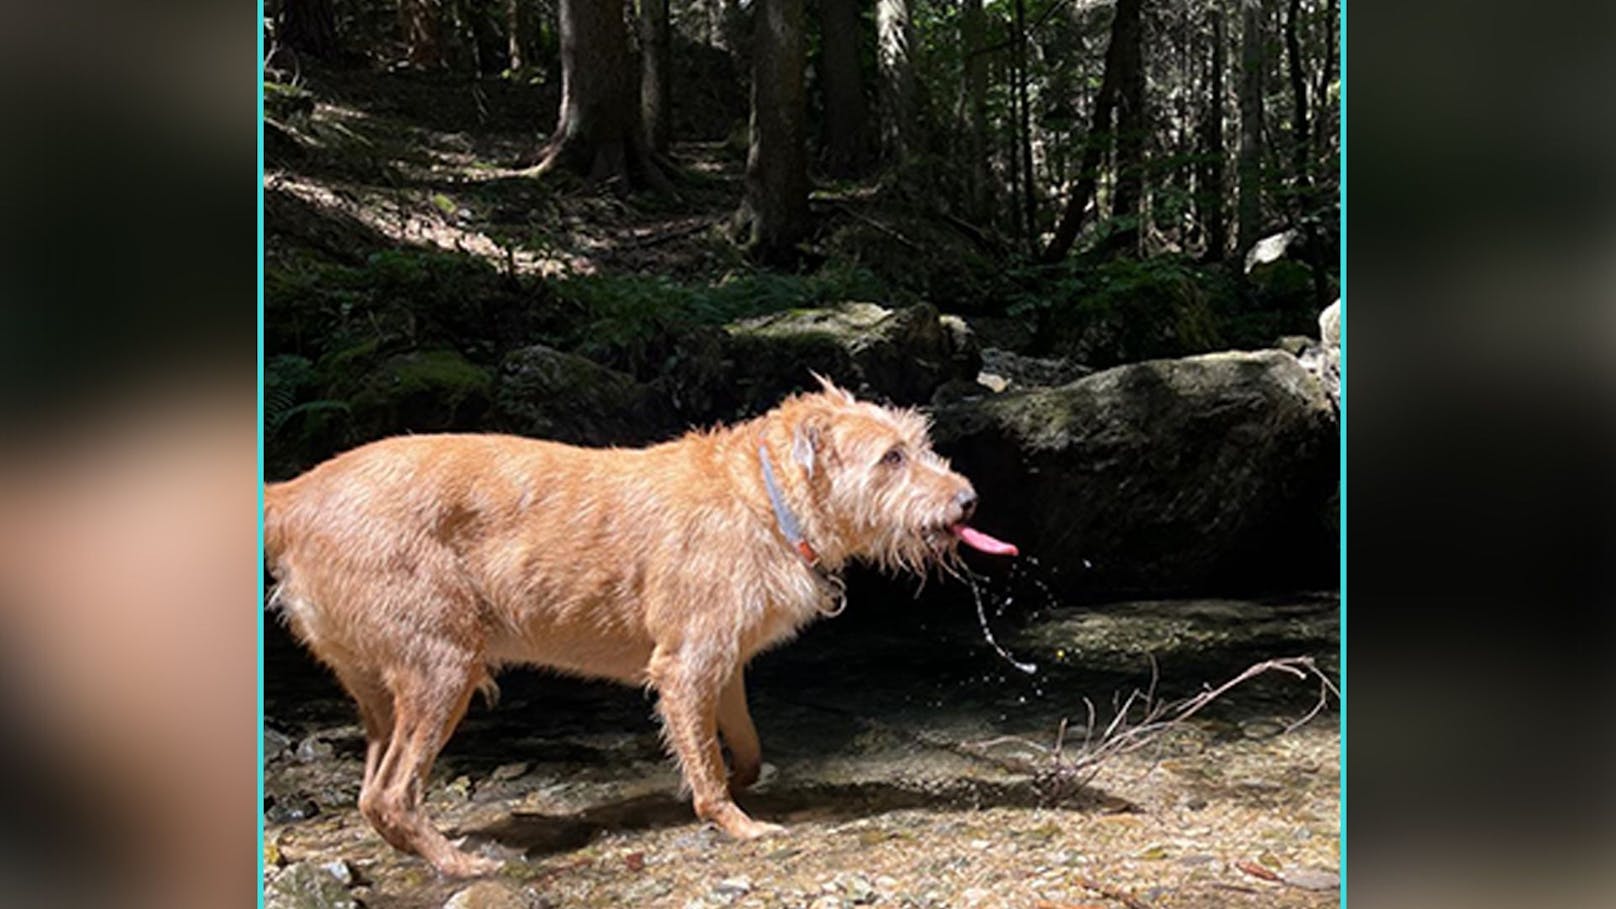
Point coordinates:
[[735, 725], [688, 685]]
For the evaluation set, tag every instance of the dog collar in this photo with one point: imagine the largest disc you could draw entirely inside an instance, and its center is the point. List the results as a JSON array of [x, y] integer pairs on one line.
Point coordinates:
[[789, 528]]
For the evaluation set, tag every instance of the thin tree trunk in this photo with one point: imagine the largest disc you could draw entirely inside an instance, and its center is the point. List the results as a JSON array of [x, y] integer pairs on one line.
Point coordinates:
[[598, 133], [774, 214], [846, 113], [1299, 126], [309, 27], [973, 35], [1331, 35], [516, 26], [895, 44], [1029, 208], [1213, 154], [1251, 123], [1094, 148], [656, 98], [420, 22], [1128, 32]]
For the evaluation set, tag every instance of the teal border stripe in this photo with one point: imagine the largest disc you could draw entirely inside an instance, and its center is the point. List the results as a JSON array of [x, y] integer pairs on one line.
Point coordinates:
[[257, 603], [1341, 509]]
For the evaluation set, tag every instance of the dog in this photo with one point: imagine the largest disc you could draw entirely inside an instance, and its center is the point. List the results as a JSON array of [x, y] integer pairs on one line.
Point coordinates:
[[417, 566]]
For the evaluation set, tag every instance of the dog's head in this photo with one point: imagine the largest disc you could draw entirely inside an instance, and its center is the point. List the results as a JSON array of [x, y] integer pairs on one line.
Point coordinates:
[[877, 489]]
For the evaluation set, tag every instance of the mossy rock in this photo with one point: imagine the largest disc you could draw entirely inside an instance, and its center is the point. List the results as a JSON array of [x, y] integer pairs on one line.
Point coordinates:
[[898, 355], [545, 393], [422, 391], [1168, 475]]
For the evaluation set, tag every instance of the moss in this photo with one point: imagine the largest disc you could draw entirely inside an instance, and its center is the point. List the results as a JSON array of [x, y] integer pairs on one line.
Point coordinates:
[[444, 371]]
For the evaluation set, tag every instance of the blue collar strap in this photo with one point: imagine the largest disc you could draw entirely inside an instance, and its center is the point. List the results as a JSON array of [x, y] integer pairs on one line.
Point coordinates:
[[789, 528]]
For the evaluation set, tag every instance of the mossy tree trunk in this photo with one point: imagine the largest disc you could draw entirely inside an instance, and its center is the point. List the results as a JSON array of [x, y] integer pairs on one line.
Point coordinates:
[[599, 133], [656, 89]]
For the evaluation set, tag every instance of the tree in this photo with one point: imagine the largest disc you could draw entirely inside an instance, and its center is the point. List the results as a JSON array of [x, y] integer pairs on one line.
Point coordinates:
[[894, 43], [1211, 191], [599, 133], [846, 114], [308, 27], [1299, 130], [1127, 32], [421, 25], [1094, 145], [656, 98], [1029, 209], [1252, 62], [974, 92], [774, 214]]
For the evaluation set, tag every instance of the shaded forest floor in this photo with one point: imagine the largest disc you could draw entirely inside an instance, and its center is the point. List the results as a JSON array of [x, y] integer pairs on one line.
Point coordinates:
[[567, 781], [363, 161]]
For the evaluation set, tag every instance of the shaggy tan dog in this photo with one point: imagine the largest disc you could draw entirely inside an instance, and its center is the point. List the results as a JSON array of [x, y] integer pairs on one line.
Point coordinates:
[[416, 566]]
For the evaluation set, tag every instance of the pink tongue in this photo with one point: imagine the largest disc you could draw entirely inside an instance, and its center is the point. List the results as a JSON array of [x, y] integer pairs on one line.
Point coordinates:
[[976, 539]]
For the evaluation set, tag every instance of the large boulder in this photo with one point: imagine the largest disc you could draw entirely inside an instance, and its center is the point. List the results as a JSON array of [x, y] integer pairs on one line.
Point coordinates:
[[898, 355], [1202, 473], [545, 393]]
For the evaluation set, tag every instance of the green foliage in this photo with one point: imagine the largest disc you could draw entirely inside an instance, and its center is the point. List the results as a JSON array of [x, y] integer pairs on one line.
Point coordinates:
[[1121, 310], [630, 321]]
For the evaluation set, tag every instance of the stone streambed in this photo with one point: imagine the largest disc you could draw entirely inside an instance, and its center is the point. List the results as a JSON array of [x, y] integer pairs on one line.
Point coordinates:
[[873, 730]]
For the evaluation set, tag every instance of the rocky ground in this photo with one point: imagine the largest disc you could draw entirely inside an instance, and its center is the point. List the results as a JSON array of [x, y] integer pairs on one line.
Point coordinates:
[[875, 735]]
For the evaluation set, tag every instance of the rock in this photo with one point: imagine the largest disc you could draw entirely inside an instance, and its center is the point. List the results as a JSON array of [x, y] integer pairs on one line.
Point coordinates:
[[277, 744], [488, 895], [1324, 359], [341, 870], [1007, 369], [286, 810], [1312, 879], [509, 771], [547, 394], [312, 749], [732, 887], [975, 895], [859, 889], [305, 885], [898, 355], [1168, 474], [422, 391]]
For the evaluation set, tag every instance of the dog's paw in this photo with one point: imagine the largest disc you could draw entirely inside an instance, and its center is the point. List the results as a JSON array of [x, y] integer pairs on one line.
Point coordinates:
[[459, 864], [753, 830]]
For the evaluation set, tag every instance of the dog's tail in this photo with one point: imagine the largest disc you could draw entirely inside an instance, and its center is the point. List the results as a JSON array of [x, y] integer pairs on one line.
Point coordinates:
[[275, 507]]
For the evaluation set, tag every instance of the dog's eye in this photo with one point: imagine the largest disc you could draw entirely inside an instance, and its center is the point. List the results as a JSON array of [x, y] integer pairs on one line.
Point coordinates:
[[893, 458]]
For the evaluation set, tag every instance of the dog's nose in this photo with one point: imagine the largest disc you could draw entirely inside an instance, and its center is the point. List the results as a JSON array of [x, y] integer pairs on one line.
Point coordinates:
[[966, 499]]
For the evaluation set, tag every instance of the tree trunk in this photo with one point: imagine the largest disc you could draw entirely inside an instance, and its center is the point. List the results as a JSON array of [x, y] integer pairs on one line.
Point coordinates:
[[1326, 77], [1299, 129], [1252, 42], [1128, 34], [1213, 155], [895, 41], [518, 23], [420, 23], [598, 133], [656, 98], [846, 114], [1029, 208], [309, 27], [973, 37], [1094, 147], [774, 214]]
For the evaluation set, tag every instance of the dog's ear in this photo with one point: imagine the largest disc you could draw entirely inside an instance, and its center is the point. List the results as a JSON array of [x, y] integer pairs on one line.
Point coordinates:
[[806, 441], [830, 388]]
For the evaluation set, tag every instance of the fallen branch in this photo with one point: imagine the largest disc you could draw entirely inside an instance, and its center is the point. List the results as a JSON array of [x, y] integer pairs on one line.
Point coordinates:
[[1060, 773]]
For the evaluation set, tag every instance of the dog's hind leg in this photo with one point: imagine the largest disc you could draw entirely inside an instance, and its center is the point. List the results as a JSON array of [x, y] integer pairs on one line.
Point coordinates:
[[375, 715], [428, 702], [740, 736]]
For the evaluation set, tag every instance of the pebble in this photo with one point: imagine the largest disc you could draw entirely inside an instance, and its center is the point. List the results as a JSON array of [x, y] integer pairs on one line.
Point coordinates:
[[487, 895], [311, 749], [509, 771], [305, 885], [859, 889], [1312, 879], [827, 902], [734, 886], [975, 895], [341, 870]]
